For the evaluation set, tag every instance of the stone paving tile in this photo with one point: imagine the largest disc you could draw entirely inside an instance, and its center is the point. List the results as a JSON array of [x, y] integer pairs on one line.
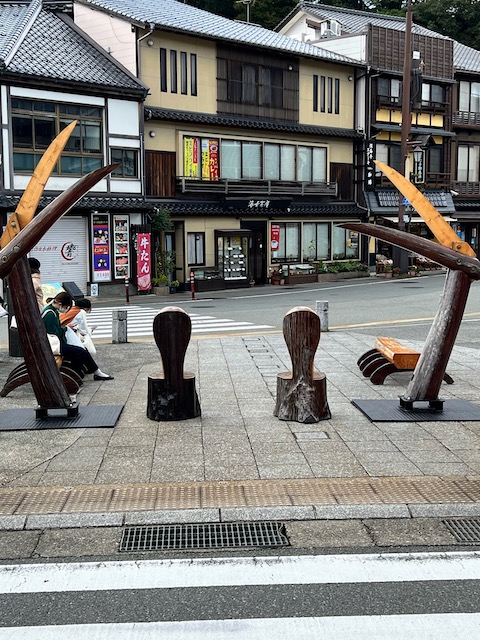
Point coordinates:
[[77, 459], [345, 470], [68, 478], [18, 544], [231, 471], [391, 468], [322, 533], [443, 468], [268, 472]]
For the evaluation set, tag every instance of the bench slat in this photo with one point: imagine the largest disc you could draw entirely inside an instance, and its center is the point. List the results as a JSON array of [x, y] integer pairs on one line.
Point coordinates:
[[401, 356]]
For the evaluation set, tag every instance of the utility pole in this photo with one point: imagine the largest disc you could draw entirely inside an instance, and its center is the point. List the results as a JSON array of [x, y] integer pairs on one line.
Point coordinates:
[[402, 256]]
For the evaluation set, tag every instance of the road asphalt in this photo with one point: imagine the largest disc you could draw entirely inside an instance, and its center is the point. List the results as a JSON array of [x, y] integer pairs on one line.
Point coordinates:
[[237, 461]]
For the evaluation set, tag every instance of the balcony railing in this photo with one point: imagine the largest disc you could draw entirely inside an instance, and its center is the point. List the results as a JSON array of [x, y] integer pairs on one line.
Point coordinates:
[[432, 181], [466, 118], [466, 188], [257, 187]]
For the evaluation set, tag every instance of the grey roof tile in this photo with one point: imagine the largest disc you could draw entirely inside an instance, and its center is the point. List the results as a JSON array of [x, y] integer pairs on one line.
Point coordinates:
[[249, 123], [14, 18], [465, 58], [354, 21], [54, 48], [183, 18], [333, 209]]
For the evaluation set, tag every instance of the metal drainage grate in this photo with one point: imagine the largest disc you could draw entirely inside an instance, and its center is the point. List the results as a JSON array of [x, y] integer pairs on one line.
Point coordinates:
[[204, 536], [466, 530]]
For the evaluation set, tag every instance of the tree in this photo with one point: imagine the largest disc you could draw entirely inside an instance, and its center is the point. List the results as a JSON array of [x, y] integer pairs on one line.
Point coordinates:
[[457, 19], [224, 8]]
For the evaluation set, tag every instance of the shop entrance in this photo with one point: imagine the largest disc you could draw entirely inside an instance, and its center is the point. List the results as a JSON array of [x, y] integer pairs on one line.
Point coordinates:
[[257, 250]]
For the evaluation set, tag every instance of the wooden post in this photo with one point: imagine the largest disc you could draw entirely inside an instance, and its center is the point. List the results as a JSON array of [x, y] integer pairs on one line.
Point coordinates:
[[171, 393], [302, 392]]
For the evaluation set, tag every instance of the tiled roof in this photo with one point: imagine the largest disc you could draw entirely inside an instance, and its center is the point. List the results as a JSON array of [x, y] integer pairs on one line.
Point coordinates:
[[353, 21], [247, 123], [173, 15], [465, 58], [387, 201], [332, 209], [99, 203], [53, 48], [14, 19]]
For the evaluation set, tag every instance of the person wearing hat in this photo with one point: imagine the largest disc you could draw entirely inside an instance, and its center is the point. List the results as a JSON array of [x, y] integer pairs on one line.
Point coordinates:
[[37, 281]]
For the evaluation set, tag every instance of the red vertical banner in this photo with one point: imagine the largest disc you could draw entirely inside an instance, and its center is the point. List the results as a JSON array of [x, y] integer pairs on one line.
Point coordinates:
[[275, 237], [144, 262]]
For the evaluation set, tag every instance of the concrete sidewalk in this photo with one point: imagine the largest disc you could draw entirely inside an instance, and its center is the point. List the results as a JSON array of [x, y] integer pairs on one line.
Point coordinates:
[[237, 461]]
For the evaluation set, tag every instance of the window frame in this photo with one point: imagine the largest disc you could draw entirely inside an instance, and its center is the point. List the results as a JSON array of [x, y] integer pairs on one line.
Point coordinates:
[[198, 247], [83, 151]]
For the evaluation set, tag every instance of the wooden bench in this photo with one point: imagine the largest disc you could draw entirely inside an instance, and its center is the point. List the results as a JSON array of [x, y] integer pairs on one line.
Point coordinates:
[[389, 356], [20, 376]]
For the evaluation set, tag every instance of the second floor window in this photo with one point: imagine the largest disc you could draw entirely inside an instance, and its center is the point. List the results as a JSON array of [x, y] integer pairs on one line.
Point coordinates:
[[468, 163], [389, 90], [175, 67], [432, 95], [469, 96], [326, 94], [212, 159], [35, 124], [254, 84], [127, 160]]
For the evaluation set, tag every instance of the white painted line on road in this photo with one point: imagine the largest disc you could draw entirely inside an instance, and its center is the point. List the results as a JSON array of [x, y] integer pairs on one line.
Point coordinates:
[[443, 626], [206, 572]]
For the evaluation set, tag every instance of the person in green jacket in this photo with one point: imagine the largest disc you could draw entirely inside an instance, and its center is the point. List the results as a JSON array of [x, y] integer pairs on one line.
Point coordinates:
[[80, 359]]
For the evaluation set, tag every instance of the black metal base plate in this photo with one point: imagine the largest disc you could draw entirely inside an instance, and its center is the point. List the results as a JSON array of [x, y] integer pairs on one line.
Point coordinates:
[[391, 411], [98, 415]]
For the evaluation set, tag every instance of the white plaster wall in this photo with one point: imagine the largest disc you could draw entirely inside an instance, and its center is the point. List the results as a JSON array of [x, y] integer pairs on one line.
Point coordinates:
[[123, 117], [113, 34]]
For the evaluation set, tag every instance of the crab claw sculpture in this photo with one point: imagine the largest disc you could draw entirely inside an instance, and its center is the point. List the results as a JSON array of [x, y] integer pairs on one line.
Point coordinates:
[[463, 268], [21, 234]]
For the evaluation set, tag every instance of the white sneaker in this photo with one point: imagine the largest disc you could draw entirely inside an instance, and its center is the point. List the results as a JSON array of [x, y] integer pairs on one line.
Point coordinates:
[[3, 312]]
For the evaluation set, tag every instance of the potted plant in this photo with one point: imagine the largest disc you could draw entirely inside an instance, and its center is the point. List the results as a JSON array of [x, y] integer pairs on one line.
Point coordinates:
[[388, 271], [251, 280], [160, 285], [396, 271], [174, 284], [275, 276]]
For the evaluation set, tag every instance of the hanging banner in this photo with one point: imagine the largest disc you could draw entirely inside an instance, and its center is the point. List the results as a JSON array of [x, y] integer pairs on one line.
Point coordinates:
[[101, 247], [144, 262], [190, 157], [275, 237]]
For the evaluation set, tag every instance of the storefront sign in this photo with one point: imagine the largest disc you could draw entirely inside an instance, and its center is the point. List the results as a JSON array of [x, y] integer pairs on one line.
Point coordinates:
[[209, 159], [121, 245], [190, 157], [275, 237], [144, 262], [258, 204], [101, 247]]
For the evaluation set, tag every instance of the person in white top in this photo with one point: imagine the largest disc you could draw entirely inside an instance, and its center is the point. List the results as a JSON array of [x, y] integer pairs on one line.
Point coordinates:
[[76, 318]]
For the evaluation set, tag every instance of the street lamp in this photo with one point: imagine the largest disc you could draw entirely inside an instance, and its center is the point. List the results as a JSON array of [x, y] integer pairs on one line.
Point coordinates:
[[418, 176]]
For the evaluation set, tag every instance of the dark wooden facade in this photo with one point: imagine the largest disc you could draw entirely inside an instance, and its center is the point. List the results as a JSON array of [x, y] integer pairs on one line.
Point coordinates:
[[257, 85]]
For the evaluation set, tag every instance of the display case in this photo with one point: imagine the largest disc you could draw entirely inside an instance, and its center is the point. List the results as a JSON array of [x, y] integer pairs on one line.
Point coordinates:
[[301, 273], [208, 279], [121, 246], [232, 256]]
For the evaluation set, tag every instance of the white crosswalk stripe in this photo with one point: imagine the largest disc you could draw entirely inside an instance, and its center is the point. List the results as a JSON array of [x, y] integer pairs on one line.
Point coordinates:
[[140, 322], [183, 580]]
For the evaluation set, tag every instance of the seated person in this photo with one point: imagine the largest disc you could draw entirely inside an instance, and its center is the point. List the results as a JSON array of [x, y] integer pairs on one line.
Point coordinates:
[[80, 359]]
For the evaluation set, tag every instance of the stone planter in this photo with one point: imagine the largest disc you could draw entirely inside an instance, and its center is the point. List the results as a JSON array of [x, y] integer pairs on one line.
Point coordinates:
[[342, 275], [160, 291]]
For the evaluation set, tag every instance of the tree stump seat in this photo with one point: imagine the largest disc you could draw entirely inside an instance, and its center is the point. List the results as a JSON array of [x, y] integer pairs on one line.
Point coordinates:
[[302, 392]]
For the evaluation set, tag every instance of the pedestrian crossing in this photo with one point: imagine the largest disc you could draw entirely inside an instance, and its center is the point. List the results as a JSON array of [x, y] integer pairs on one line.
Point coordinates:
[[304, 597], [140, 322]]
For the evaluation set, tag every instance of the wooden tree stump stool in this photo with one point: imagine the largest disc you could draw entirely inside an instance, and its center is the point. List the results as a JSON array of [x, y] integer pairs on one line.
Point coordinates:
[[302, 392], [171, 393]]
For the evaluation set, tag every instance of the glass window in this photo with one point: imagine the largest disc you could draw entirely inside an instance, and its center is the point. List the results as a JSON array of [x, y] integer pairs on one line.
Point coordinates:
[[468, 163], [249, 84], [271, 161], [289, 243], [163, 69], [35, 125], [231, 159], [252, 160], [287, 162], [339, 243], [193, 74], [304, 164], [315, 92], [183, 73], [195, 248], [173, 71], [127, 160], [316, 241], [319, 165]]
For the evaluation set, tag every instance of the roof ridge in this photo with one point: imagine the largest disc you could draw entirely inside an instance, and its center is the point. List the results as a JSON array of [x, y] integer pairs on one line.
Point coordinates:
[[356, 12], [20, 31]]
